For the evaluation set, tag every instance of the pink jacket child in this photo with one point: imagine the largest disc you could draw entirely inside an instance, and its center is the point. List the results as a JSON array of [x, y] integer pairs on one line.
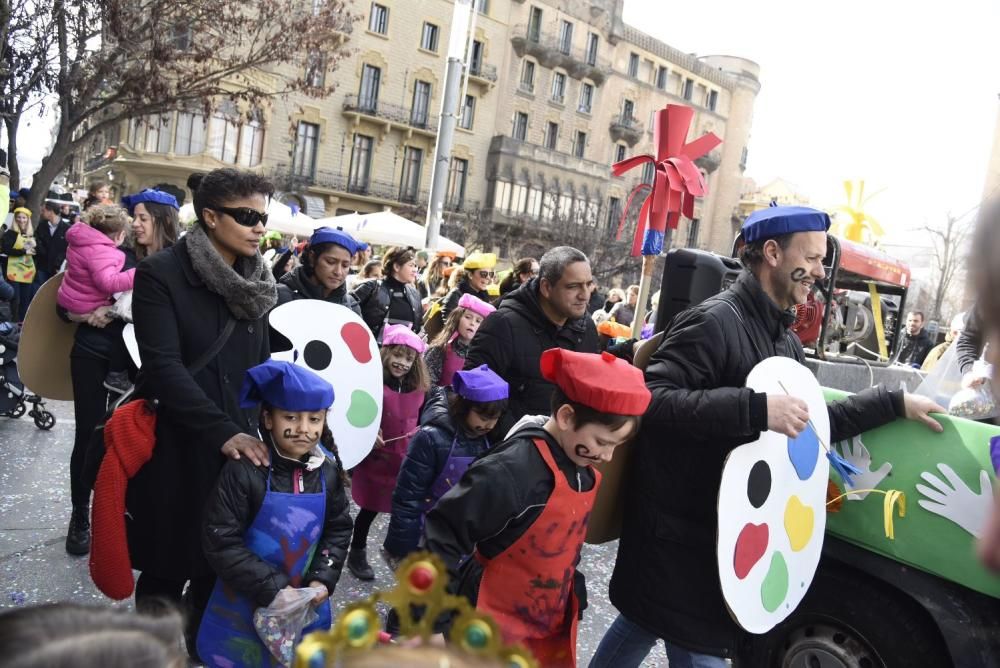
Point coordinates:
[[93, 270]]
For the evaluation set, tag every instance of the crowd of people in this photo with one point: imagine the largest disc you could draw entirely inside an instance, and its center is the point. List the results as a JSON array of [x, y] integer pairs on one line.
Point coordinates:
[[227, 490]]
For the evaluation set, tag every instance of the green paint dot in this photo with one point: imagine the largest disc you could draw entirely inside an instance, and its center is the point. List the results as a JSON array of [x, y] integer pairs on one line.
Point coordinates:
[[775, 586], [363, 409], [476, 637], [357, 628]]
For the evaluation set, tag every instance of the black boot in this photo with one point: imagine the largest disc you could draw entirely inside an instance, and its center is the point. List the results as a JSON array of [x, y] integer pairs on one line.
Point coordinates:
[[78, 534], [357, 564]]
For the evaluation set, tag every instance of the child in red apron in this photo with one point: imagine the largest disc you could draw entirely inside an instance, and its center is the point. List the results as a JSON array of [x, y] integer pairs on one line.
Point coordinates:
[[446, 353], [454, 433], [512, 529], [372, 481], [268, 528]]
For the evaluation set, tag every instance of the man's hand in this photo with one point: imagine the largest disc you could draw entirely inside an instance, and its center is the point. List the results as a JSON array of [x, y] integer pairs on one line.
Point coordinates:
[[971, 380], [786, 414], [100, 317], [989, 542], [319, 599], [919, 407], [242, 445]]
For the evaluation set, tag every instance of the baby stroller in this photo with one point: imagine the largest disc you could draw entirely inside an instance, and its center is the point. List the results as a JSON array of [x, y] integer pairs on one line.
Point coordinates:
[[14, 400]]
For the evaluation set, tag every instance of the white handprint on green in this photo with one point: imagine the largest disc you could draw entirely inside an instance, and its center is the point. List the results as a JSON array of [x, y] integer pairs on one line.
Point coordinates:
[[855, 452], [955, 501]]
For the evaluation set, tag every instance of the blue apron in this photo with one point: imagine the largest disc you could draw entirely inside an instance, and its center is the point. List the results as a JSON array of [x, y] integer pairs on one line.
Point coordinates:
[[285, 534]]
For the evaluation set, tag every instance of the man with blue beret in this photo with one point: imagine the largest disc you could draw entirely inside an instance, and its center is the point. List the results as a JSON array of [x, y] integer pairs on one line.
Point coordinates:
[[666, 583]]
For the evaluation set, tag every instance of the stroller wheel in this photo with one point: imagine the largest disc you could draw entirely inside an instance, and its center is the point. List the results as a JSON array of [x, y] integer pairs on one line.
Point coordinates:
[[45, 420], [18, 410]]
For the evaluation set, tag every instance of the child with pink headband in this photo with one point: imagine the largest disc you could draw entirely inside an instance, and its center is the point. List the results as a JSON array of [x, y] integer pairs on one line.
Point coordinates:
[[446, 353]]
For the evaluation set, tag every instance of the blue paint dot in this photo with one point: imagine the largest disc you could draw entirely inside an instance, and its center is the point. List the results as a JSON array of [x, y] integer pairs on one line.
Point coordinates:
[[803, 452]]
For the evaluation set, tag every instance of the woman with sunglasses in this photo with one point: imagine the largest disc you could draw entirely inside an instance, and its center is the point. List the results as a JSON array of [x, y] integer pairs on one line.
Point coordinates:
[[200, 320], [479, 275], [525, 270], [392, 300]]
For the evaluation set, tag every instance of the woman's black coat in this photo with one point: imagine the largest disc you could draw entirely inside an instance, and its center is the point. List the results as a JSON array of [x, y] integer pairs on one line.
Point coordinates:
[[176, 319]]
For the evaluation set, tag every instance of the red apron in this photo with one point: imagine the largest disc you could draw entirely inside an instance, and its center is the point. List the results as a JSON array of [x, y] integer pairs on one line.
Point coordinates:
[[528, 588], [452, 363], [374, 479]]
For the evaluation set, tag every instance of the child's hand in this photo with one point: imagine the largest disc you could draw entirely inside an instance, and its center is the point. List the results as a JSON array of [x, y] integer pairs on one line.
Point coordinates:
[[319, 599]]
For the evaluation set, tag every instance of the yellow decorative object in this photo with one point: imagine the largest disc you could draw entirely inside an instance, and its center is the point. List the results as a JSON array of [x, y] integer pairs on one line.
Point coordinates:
[[883, 348], [861, 228], [421, 582], [893, 498]]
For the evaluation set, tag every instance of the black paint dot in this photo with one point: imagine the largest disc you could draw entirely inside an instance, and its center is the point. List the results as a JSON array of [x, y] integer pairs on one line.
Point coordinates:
[[317, 355], [759, 484]]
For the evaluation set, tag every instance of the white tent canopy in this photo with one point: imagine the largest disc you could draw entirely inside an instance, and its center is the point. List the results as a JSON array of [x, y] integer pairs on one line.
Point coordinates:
[[386, 228]]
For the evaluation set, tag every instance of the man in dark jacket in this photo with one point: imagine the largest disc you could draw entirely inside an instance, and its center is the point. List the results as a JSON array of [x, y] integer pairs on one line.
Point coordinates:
[[549, 311], [666, 583], [916, 342], [50, 239]]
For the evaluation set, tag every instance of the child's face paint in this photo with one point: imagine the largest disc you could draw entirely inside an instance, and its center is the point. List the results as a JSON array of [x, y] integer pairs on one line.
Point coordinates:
[[468, 325], [480, 424], [294, 433], [400, 361], [592, 443]]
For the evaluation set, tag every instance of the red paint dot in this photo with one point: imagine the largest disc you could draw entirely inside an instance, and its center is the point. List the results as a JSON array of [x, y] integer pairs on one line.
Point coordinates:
[[421, 578], [750, 547], [358, 338]]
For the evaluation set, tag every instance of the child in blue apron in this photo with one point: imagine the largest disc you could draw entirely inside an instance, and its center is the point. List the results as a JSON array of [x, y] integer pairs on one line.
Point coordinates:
[[268, 528], [454, 434]]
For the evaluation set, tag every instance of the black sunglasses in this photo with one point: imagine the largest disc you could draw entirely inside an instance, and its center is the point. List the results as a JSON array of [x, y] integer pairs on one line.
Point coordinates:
[[245, 216]]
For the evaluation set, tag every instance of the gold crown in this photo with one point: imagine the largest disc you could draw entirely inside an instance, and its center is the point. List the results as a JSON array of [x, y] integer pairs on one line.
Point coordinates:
[[421, 580]]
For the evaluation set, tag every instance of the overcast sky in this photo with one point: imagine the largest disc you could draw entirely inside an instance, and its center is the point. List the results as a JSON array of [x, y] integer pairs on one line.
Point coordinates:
[[905, 98]]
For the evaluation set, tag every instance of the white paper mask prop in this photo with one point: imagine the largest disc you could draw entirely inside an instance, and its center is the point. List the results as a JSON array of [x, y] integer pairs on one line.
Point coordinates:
[[336, 343], [772, 506]]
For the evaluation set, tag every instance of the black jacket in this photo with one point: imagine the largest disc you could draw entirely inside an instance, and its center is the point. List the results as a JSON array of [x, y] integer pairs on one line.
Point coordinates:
[[913, 349], [294, 285], [511, 341], [176, 319], [425, 459], [494, 503], [666, 576], [969, 344], [51, 247], [233, 505], [450, 302], [380, 299]]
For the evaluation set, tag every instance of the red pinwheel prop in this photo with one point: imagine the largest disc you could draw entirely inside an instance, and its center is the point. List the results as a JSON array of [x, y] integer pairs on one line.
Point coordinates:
[[676, 183]]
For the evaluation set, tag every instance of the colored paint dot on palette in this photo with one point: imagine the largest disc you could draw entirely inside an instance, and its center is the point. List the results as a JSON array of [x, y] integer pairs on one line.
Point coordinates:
[[798, 523], [317, 355], [363, 409], [751, 545], [358, 340], [803, 452], [774, 588], [759, 484]]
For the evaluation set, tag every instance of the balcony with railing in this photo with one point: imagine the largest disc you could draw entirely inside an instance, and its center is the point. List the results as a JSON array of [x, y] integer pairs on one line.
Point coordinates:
[[502, 145], [710, 161], [335, 183], [483, 73], [393, 115], [552, 51], [460, 205], [626, 129]]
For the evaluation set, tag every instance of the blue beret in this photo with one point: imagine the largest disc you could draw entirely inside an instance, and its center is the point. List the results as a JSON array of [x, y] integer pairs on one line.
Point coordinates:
[[481, 384], [775, 221], [148, 195], [328, 235], [287, 386]]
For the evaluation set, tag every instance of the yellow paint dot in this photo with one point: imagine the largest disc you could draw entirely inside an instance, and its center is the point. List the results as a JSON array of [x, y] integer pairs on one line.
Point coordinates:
[[798, 523]]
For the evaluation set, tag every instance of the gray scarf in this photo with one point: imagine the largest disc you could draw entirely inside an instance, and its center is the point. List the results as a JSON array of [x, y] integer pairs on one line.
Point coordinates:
[[248, 286]]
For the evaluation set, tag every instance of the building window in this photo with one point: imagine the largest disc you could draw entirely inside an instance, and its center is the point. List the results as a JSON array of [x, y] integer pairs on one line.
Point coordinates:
[[158, 130], [468, 113], [579, 143], [661, 77], [224, 134], [549, 201], [520, 131], [501, 195], [692, 240], [518, 198], [409, 186], [421, 102], [614, 212], [252, 142], [628, 112], [361, 164], [528, 76], [648, 173], [456, 182], [304, 157], [378, 20], [592, 42], [476, 62], [633, 65], [371, 78], [315, 69], [558, 87], [688, 89], [190, 139], [534, 205], [565, 37], [181, 35], [535, 24], [619, 152], [565, 207], [429, 37], [586, 98], [551, 135], [483, 6], [713, 100]]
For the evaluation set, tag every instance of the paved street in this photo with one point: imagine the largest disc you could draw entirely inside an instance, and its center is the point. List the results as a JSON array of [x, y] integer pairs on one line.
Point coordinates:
[[35, 508]]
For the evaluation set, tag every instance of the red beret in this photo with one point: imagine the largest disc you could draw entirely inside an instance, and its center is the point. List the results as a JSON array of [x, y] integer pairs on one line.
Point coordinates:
[[602, 382]]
